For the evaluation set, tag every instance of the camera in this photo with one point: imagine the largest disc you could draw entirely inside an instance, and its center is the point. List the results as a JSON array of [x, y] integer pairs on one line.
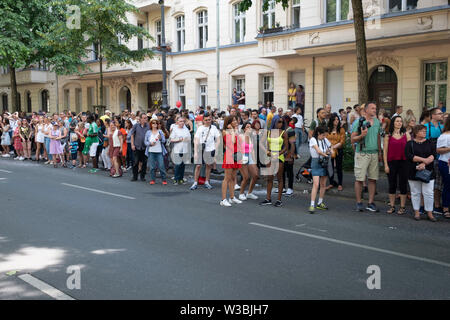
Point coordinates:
[[363, 125]]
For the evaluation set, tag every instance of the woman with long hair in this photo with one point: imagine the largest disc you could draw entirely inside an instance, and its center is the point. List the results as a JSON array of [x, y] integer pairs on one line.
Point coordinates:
[[277, 143], [115, 149], [230, 160], [248, 168], [319, 148], [154, 140], [410, 123], [25, 135], [40, 138], [336, 136], [395, 164]]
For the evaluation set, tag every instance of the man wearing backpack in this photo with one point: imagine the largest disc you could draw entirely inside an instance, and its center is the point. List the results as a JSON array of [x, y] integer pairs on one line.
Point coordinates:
[[434, 131]]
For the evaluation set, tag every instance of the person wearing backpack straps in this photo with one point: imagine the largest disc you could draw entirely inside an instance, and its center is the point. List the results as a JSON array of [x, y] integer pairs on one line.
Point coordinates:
[[434, 131]]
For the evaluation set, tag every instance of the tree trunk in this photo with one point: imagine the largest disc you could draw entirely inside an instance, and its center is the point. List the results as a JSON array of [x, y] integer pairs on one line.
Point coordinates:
[[361, 51], [100, 56], [12, 73]]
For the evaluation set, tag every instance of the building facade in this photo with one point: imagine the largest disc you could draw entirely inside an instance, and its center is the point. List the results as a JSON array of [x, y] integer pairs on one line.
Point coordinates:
[[261, 52]]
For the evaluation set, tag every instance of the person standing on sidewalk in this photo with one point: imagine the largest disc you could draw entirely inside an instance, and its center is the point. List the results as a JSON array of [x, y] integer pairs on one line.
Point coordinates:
[[298, 128], [336, 136], [206, 142], [434, 130], [319, 148], [366, 136], [395, 164], [154, 140], [138, 133], [181, 139], [420, 155], [443, 149]]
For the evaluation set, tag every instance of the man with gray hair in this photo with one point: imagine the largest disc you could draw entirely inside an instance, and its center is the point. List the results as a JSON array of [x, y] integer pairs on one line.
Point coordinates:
[[368, 154]]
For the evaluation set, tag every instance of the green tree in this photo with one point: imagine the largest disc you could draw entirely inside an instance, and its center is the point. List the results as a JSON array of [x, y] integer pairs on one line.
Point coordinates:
[[104, 29], [21, 23], [360, 36]]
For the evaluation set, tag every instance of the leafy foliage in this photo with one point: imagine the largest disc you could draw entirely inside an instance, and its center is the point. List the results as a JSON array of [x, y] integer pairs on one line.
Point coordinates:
[[246, 4]]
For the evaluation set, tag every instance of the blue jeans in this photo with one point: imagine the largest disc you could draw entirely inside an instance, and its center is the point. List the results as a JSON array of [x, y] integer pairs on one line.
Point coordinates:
[[298, 139], [156, 160], [47, 147], [292, 104], [443, 168]]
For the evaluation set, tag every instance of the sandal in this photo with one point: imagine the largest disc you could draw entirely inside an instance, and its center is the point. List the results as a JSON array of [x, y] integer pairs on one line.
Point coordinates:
[[401, 211], [446, 215], [391, 209]]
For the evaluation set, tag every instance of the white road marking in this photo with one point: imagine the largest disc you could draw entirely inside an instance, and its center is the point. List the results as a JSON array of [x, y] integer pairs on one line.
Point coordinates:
[[6, 171], [47, 289], [99, 191], [357, 245], [3, 178]]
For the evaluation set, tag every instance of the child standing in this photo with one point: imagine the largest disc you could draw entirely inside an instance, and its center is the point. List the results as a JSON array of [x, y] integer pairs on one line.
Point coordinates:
[[18, 144], [73, 148], [55, 144]]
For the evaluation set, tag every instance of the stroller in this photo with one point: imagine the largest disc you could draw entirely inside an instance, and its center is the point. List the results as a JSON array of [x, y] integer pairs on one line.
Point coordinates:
[[305, 172]]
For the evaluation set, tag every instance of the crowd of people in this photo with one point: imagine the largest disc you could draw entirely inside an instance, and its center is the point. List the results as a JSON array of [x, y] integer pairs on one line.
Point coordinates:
[[259, 143]]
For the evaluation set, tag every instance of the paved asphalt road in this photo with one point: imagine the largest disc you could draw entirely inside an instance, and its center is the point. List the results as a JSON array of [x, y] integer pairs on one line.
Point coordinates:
[[171, 243]]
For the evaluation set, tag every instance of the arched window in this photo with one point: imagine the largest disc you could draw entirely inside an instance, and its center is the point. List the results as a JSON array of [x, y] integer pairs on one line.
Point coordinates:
[[45, 100], [5, 102], [29, 106]]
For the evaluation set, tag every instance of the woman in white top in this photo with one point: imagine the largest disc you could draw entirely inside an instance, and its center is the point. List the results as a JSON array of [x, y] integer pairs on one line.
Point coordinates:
[[443, 149], [181, 139], [319, 148], [40, 138], [115, 148], [154, 140]]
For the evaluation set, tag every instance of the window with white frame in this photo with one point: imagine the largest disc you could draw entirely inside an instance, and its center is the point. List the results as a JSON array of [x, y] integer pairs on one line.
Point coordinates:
[[402, 5], [267, 85], [239, 84], [181, 94], [296, 13], [158, 33], [203, 94], [180, 33], [337, 10], [435, 83], [140, 40], [202, 28], [4, 70], [268, 16], [239, 24]]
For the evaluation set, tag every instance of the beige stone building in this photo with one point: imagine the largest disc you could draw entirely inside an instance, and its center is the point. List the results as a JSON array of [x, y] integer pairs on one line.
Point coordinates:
[[311, 43]]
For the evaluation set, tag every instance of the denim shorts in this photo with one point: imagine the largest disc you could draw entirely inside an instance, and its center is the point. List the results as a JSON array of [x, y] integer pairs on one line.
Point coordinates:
[[316, 169]]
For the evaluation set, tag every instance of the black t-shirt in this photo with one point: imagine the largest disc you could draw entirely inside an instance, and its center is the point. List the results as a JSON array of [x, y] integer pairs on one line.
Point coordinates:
[[423, 150]]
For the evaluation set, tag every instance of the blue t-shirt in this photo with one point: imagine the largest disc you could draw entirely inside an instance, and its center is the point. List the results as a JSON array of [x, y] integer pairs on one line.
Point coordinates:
[[434, 131]]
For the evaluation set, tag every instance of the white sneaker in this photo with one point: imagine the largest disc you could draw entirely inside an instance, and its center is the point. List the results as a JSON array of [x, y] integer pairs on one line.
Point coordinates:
[[252, 196], [225, 203], [234, 200], [289, 192], [242, 197], [17, 158], [11, 152], [21, 158], [237, 187]]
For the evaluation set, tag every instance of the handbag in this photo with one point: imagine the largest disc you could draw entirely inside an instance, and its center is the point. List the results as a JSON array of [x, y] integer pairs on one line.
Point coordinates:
[[422, 175], [323, 161]]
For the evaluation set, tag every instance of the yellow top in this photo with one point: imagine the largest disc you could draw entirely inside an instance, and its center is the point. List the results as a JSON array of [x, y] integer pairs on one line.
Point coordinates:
[[292, 92], [276, 144]]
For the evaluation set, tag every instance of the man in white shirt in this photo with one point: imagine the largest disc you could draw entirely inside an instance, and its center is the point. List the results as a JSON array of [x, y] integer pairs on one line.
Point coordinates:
[[206, 142], [298, 128], [398, 111], [181, 138]]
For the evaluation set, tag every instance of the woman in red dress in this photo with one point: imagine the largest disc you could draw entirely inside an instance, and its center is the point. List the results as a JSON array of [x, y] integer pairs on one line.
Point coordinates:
[[230, 159]]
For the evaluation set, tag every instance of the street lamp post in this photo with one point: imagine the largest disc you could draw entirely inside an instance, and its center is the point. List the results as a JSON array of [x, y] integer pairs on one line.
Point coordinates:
[[163, 58]]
